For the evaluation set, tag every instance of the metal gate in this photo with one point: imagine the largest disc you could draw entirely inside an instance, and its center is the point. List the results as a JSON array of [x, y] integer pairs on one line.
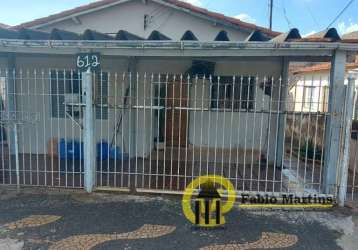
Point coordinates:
[[170, 129], [158, 132]]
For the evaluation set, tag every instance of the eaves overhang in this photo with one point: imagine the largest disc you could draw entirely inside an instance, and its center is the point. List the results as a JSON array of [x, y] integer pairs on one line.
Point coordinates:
[[171, 48]]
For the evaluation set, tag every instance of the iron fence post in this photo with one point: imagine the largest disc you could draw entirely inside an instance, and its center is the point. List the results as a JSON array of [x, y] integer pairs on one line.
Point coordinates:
[[88, 130], [282, 102], [11, 84], [17, 162], [132, 71], [348, 114]]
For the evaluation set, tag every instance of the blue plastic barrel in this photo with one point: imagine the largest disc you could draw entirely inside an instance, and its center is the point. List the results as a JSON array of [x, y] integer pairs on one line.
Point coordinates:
[[103, 151], [70, 150], [62, 149]]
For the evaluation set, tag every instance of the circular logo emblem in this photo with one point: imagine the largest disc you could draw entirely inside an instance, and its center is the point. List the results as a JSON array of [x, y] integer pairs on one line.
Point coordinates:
[[209, 202]]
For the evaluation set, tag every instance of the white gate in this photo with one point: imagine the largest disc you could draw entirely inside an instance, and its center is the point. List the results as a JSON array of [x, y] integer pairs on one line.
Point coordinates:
[[157, 132]]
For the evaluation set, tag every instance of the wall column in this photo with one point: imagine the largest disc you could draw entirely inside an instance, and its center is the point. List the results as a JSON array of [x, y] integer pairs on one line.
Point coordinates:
[[334, 122], [348, 114], [88, 130]]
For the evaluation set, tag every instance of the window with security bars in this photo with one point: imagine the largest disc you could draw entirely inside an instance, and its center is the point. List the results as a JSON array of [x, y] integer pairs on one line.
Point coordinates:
[[66, 94], [236, 93]]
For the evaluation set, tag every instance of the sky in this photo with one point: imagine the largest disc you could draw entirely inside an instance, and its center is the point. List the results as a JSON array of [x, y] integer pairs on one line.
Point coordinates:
[[308, 16]]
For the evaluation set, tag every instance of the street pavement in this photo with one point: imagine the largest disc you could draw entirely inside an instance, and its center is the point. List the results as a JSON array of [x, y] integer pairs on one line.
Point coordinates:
[[74, 220]]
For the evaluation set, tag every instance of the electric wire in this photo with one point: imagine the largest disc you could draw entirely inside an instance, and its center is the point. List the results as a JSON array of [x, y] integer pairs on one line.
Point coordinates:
[[341, 13]]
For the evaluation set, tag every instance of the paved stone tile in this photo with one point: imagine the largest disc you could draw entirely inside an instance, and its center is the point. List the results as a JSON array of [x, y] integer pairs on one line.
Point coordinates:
[[87, 242], [267, 241], [32, 221]]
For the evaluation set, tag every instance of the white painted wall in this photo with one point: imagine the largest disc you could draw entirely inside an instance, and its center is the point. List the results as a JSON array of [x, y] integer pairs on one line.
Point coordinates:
[[227, 129], [247, 129], [35, 98], [130, 16], [319, 80]]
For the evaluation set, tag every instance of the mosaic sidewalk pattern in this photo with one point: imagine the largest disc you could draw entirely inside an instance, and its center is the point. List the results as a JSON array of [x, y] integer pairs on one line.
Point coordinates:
[[32, 221], [267, 241], [87, 242]]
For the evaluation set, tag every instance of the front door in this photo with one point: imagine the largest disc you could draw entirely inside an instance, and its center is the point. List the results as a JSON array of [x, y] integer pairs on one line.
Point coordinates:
[[177, 114]]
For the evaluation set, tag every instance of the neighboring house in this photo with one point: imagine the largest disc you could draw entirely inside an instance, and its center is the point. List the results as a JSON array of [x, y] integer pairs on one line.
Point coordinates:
[[309, 86], [4, 26], [309, 93]]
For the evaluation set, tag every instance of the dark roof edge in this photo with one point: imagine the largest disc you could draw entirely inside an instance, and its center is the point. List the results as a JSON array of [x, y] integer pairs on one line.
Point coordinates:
[[257, 36], [292, 34], [330, 33]]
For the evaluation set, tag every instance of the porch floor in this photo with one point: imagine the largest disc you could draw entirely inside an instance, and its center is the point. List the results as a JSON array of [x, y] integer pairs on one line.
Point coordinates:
[[149, 173], [171, 170]]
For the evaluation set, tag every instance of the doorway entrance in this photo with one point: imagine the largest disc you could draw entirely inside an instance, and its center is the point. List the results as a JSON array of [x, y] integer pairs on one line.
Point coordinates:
[[177, 114]]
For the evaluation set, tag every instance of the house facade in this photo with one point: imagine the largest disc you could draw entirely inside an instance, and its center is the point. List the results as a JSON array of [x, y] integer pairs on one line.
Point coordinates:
[[180, 92], [142, 18]]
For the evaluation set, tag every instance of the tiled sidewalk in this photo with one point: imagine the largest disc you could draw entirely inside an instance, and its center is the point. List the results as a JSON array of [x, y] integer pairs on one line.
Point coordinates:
[[66, 221]]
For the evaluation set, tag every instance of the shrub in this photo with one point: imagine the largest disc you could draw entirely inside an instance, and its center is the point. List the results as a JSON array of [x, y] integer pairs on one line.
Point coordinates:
[[309, 147]]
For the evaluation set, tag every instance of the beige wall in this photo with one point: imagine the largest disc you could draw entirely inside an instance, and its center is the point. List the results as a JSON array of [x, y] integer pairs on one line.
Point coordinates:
[[130, 16]]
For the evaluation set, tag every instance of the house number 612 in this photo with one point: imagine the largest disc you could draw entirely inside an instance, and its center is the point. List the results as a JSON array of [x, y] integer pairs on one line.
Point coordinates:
[[85, 61]]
